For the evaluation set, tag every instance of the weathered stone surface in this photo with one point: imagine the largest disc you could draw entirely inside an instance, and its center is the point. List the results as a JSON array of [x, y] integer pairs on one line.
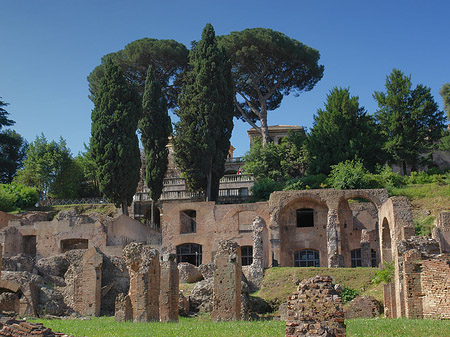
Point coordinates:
[[227, 282], [315, 309], [189, 273], [56, 265], [183, 305], [144, 270], [363, 307], [88, 284], [21, 262], [115, 280], [123, 309], [201, 296], [207, 270], [13, 327], [255, 272], [9, 302], [170, 294]]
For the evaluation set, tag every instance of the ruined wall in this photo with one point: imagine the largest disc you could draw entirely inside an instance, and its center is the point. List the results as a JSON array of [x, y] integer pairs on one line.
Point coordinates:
[[441, 233], [144, 270], [427, 290], [213, 223], [227, 282], [168, 300], [315, 309]]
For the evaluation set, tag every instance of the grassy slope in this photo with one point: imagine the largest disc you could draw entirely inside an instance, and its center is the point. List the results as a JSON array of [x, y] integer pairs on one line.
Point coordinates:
[[279, 283], [427, 202]]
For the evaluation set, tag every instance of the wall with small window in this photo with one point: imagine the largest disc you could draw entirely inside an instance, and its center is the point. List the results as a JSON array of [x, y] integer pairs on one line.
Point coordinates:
[[247, 255], [302, 226], [190, 252], [188, 221]]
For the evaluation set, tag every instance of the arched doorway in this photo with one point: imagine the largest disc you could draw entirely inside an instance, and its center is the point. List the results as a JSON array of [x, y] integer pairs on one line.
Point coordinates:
[[190, 252]]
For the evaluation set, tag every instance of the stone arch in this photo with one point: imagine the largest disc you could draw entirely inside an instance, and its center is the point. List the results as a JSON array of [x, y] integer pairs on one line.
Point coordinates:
[[358, 227], [293, 238]]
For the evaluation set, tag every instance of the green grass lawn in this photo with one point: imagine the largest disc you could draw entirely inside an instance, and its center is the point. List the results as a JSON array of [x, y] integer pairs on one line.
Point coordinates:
[[194, 327]]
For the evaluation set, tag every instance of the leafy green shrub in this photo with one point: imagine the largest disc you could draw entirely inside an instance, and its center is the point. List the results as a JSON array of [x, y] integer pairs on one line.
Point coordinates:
[[348, 294], [422, 177], [350, 174], [7, 198], [423, 225], [386, 178], [17, 196], [307, 182], [262, 188], [385, 274]]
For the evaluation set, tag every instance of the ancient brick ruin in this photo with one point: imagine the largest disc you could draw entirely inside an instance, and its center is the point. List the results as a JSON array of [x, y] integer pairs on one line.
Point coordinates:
[[144, 270], [227, 282], [169, 296], [88, 284], [315, 309]]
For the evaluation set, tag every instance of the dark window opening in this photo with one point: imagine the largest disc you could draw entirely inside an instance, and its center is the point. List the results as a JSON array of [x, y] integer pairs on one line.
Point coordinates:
[[356, 258], [188, 221], [190, 252], [306, 258], [29, 245], [305, 217], [70, 244], [247, 255], [373, 256]]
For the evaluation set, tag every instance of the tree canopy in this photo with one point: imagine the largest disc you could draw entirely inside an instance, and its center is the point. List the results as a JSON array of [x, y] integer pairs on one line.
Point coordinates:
[[445, 93], [12, 153], [343, 131], [409, 118], [167, 57], [114, 142], [266, 65], [44, 164], [155, 127], [202, 135]]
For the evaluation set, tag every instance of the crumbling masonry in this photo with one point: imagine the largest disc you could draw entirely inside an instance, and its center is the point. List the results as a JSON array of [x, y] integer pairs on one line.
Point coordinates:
[[227, 282]]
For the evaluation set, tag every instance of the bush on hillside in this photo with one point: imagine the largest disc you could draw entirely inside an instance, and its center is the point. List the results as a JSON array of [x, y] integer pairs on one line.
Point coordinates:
[[262, 188], [17, 197], [350, 174]]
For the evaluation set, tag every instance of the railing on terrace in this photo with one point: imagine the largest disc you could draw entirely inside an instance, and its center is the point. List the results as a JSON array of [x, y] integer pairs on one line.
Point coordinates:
[[181, 195], [80, 201], [236, 178], [229, 178], [235, 160]]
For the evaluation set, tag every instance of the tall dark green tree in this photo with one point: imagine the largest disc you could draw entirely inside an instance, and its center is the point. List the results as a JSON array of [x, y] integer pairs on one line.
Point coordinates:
[[267, 65], [409, 118], [342, 131], [168, 58], [155, 128], [114, 142], [202, 135], [445, 93], [12, 153]]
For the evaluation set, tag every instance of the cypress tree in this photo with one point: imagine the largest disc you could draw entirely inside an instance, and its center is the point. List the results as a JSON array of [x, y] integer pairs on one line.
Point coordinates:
[[114, 142], [202, 135], [155, 128]]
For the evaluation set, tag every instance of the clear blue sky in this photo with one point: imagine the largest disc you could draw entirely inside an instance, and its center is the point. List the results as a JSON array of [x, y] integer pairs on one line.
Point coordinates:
[[49, 47]]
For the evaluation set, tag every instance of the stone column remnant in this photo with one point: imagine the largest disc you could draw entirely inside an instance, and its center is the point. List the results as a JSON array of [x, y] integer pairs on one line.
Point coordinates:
[[366, 257], [143, 266], [332, 238], [315, 309], [169, 296], [88, 284], [227, 282], [256, 270]]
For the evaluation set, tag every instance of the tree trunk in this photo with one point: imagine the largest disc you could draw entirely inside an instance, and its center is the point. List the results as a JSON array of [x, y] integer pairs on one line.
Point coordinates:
[[264, 127], [404, 168], [125, 207], [208, 185], [153, 214]]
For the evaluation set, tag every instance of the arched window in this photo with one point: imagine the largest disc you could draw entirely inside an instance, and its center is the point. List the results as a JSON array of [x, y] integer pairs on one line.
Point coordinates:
[[190, 252], [306, 258], [356, 258], [305, 217], [247, 255], [188, 221]]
